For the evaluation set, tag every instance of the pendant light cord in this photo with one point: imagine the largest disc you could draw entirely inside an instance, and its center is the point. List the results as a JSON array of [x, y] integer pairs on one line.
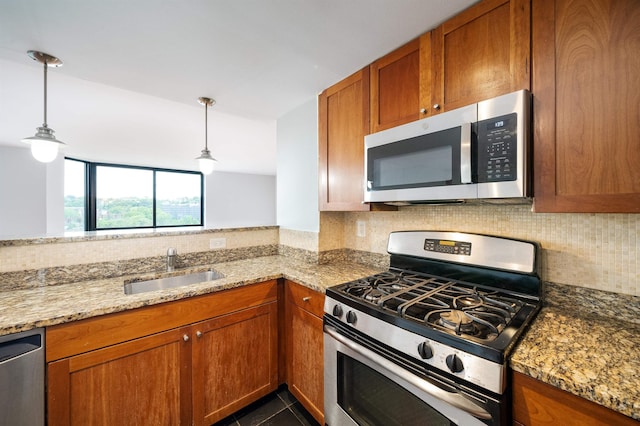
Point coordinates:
[[45, 94], [206, 146]]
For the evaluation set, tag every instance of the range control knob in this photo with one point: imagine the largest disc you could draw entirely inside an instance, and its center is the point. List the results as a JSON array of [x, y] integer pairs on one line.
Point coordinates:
[[337, 311], [454, 363], [351, 317], [425, 351]]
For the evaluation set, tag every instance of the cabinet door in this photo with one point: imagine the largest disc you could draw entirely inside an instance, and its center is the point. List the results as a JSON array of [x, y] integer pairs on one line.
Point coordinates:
[[481, 53], [537, 403], [343, 120], [141, 382], [235, 361], [401, 85], [586, 83], [305, 351]]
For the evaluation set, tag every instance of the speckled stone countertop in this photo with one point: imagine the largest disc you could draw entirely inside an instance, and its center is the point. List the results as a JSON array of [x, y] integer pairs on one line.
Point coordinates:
[[49, 305], [592, 356]]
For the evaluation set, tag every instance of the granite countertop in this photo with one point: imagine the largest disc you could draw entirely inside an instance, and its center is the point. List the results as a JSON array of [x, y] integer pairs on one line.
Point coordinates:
[[50, 305], [589, 355], [595, 357]]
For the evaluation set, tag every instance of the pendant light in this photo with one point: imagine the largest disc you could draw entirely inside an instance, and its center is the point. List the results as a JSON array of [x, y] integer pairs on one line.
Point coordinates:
[[44, 145], [206, 161]]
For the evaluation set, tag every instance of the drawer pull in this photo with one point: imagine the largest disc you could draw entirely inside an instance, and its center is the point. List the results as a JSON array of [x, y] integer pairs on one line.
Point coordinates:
[[198, 333], [185, 338], [306, 299]]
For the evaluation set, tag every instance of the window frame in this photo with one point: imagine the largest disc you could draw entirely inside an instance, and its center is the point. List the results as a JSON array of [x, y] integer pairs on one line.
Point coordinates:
[[90, 222]]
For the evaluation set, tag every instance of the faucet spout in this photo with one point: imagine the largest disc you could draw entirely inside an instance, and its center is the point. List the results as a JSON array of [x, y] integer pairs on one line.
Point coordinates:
[[172, 254]]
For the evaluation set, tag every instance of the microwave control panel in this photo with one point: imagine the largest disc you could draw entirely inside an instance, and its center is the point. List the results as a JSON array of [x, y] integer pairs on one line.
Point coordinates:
[[497, 149]]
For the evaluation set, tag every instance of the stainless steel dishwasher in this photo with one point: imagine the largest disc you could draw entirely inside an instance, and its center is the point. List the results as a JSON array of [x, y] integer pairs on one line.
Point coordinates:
[[22, 378]]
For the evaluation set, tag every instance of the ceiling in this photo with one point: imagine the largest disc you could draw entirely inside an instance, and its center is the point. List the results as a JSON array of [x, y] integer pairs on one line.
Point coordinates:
[[133, 70]]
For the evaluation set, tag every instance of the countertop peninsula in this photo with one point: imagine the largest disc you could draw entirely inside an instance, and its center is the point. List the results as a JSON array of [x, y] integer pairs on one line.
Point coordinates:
[[50, 305]]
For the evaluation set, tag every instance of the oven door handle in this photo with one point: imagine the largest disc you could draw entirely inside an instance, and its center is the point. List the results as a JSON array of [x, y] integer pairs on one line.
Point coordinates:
[[453, 398]]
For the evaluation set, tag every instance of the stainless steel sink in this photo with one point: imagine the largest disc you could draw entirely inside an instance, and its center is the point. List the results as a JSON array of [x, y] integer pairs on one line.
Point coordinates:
[[171, 282]]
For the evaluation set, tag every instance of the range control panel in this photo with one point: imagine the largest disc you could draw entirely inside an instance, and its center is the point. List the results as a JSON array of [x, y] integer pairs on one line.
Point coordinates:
[[497, 149], [449, 247]]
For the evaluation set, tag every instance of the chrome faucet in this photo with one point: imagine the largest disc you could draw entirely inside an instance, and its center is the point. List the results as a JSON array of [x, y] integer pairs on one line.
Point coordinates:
[[172, 254]]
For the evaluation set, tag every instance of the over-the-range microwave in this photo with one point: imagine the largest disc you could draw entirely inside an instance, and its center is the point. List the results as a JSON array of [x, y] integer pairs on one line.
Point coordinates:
[[477, 152]]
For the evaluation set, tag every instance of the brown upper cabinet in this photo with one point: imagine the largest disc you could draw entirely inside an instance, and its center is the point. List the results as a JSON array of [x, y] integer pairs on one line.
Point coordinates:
[[401, 85], [481, 53], [343, 120], [586, 84]]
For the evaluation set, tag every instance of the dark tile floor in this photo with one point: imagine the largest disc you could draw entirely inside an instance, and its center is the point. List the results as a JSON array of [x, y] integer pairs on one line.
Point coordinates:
[[279, 408]]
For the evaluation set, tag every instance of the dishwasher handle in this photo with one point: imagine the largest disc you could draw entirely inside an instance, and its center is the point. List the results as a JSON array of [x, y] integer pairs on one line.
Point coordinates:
[[14, 348]]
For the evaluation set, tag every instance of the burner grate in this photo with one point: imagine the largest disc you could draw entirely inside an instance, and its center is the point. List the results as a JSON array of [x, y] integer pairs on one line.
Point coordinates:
[[450, 306]]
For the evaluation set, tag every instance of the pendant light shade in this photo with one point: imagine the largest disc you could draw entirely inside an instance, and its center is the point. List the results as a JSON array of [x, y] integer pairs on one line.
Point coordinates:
[[205, 160], [44, 145]]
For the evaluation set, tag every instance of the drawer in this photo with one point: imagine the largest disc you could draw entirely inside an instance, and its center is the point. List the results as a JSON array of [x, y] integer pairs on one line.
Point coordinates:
[[77, 337], [305, 298]]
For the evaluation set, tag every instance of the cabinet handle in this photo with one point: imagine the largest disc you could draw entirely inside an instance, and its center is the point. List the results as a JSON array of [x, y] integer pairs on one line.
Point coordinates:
[[185, 337], [423, 110], [198, 334], [306, 299], [436, 107]]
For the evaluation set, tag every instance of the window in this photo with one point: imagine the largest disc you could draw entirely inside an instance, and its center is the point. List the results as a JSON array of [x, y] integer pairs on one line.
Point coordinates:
[[125, 197], [74, 195]]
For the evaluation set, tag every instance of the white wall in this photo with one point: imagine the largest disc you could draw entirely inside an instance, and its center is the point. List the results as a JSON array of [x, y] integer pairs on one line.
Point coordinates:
[[23, 198], [236, 200], [55, 196], [297, 170]]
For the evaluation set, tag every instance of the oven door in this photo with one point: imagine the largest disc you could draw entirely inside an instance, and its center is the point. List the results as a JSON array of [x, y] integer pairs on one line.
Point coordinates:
[[364, 387], [429, 159]]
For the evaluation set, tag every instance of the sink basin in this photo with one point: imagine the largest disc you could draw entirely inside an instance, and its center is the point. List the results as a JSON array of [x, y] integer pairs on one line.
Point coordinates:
[[171, 282]]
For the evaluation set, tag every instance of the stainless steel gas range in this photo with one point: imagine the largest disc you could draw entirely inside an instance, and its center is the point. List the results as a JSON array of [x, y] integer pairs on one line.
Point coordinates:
[[426, 342]]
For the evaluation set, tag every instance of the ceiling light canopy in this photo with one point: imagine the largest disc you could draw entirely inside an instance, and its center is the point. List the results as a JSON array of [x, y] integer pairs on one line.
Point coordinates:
[[44, 145], [205, 160]]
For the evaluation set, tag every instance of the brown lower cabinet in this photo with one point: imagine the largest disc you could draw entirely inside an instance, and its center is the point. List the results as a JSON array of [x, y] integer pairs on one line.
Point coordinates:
[[304, 346], [536, 404], [193, 361]]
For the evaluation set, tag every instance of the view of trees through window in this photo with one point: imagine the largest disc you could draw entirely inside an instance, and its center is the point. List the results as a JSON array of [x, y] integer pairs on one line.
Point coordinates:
[[74, 195], [124, 197]]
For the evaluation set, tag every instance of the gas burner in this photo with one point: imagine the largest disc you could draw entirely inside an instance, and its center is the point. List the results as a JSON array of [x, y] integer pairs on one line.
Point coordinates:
[[358, 288], [373, 295], [457, 321], [467, 301], [479, 325], [377, 287]]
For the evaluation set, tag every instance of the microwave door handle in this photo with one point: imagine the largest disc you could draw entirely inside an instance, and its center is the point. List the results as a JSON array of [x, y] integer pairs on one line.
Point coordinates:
[[453, 398], [465, 153]]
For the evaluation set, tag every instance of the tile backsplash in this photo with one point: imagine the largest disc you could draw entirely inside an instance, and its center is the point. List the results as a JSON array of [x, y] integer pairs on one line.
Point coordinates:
[[599, 251]]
